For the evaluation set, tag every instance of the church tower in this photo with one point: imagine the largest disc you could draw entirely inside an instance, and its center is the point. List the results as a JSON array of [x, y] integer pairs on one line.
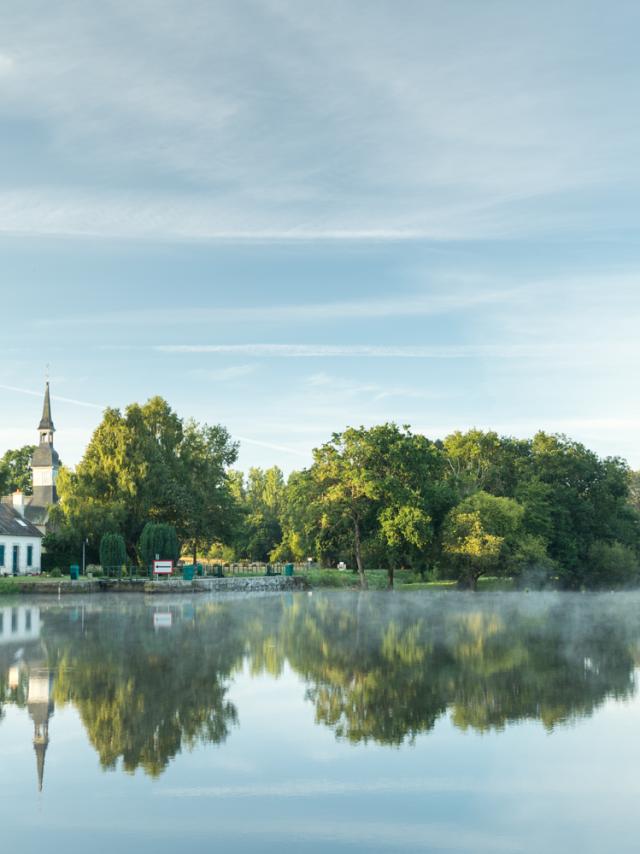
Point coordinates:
[[45, 462]]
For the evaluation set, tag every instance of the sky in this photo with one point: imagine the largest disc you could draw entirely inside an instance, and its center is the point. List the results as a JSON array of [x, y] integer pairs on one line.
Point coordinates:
[[292, 217]]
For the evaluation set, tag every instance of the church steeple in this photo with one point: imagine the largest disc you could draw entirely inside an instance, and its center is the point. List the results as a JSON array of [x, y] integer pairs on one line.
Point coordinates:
[[46, 422], [45, 461]]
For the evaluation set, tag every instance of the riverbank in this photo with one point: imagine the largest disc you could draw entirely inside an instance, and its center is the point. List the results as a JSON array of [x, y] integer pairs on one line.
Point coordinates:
[[324, 579], [43, 586]]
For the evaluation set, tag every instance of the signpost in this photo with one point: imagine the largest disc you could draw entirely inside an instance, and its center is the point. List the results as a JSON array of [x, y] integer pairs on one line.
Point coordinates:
[[162, 567]]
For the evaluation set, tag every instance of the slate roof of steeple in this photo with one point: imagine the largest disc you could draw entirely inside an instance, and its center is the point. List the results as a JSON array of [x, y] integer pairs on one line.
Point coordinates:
[[45, 455], [46, 422]]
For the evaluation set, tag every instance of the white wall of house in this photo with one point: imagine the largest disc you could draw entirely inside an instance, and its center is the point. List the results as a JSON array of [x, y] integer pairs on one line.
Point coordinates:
[[27, 551]]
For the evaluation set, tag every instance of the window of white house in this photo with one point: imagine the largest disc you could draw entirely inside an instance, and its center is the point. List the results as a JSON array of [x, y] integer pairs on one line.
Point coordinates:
[[1, 555], [29, 555]]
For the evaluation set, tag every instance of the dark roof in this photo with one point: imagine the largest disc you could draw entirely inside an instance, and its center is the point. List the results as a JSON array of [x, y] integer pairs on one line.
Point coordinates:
[[46, 422], [13, 525], [45, 455]]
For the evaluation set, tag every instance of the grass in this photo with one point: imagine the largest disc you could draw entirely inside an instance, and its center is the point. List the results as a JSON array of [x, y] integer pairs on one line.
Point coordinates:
[[404, 580], [12, 585], [9, 586]]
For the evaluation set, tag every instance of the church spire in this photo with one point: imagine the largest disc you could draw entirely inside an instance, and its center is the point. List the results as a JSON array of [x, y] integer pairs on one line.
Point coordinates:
[[46, 422]]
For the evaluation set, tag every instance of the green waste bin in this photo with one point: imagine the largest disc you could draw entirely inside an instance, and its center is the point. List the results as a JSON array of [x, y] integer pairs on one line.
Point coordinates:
[[200, 570], [188, 572], [74, 572], [288, 569]]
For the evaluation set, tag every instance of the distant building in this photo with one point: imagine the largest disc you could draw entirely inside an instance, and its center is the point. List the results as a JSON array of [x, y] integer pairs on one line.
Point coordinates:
[[24, 518]]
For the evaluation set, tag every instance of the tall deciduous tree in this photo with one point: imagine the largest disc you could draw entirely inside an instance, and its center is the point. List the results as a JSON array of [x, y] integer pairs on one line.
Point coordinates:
[[205, 509], [147, 464], [15, 470], [380, 483], [478, 532]]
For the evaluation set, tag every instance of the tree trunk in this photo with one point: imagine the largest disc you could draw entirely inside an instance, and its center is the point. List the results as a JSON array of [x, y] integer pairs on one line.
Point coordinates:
[[358, 551], [390, 574], [195, 553]]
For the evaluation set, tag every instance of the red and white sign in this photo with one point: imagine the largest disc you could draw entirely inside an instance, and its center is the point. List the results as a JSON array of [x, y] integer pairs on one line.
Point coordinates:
[[162, 567]]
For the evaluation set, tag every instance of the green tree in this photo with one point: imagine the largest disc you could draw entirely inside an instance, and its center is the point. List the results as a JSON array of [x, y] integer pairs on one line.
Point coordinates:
[[158, 541], [264, 498], [15, 470], [586, 500], [479, 534], [371, 483], [612, 564], [205, 510], [113, 551], [147, 464]]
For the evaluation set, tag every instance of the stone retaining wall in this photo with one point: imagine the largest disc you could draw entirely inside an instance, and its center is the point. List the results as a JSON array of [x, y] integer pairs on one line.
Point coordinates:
[[235, 584], [232, 584]]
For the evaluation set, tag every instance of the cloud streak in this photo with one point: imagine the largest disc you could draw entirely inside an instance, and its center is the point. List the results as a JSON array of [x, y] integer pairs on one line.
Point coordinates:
[[356, 351], [440, 299], [55, 397]]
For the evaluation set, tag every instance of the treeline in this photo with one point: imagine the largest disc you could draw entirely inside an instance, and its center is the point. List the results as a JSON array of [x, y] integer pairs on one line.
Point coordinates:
[[544, 510]]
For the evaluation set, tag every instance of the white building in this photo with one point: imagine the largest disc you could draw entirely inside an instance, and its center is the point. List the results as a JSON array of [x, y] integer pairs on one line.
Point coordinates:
[[20, 543]]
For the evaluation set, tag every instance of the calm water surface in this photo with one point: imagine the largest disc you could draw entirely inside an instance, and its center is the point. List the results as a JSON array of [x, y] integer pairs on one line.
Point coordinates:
[[325, 722]]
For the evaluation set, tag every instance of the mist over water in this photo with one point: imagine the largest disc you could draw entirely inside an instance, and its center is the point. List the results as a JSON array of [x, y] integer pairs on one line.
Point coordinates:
[[447, 721]]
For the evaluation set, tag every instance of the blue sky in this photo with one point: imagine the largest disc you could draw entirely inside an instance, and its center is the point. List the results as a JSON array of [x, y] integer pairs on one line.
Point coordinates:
[[290, 217]]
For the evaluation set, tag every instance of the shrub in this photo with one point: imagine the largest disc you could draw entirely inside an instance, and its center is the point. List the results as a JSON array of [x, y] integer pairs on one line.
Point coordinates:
[[611, 564], [158, 539], [113, 551]]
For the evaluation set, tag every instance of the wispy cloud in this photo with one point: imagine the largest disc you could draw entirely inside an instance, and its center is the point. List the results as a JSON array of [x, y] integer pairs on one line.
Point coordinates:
[[222, 128], [350, 388], [273, 446], [57, 397], [233, 372], [449, 296], [333, 351]]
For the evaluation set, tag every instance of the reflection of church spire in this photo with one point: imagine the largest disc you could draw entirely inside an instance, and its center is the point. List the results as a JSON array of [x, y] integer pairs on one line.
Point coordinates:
[[40, 706], [40, 743]]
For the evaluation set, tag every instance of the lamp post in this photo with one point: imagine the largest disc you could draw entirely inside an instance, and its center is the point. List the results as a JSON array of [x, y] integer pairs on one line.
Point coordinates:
[[84, 560]]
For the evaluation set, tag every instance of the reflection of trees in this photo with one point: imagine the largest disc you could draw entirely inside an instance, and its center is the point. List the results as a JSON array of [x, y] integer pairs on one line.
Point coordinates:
[[376, 666], [144, 695], [387, 673]]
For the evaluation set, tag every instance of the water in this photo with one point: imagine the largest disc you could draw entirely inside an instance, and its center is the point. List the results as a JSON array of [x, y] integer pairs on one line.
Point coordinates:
[[332, 722]]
